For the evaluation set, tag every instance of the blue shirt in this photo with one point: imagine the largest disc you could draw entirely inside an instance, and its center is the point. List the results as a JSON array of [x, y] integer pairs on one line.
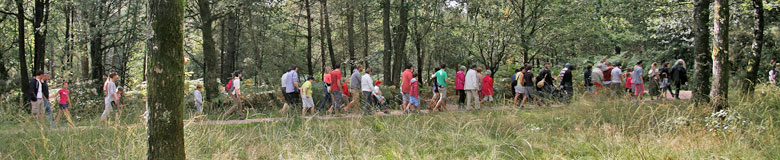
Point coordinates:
[[292, 77]]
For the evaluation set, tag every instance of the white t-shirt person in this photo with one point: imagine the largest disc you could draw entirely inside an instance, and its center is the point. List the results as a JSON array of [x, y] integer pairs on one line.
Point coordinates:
[[616, 72], [236, 86]]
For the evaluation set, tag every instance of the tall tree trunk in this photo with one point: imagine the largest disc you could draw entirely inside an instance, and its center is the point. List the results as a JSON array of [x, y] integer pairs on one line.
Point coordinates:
[[67, 61], [333, 59], [323, 50], [365, 33], [24, 77], [720, 57], [96, 46], [309, 65], [351, 34], [39, 15], [701, 49], [400, 42], [228, 53], [209, 50], [758, 40], [166, 128], [388, 47]]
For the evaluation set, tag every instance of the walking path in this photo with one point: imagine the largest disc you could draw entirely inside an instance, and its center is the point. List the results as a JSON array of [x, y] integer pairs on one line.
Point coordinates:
[[450, 108]]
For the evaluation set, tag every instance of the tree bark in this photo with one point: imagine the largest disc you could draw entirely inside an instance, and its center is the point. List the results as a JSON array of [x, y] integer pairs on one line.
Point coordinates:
[[754, 61], [388, 70], [166, 81], [365, 33], [39, 15], [323, 50], [351, 34], [400, 42], [96, 46], [228, 44], [333, 59], [309, 65], [209, 50], [701, 49], [720, 57], [24, 77]]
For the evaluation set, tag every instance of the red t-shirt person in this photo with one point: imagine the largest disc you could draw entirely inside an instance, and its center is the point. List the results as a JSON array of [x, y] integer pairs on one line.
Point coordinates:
[[335, 79], [407, 78]]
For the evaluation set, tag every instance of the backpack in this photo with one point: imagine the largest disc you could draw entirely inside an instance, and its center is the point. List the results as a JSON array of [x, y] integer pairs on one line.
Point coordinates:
[[229, 87]]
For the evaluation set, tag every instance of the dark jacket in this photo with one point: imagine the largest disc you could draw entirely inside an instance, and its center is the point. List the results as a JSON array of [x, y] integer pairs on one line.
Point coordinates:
[[567, 80], [33, 90], [587, 78], [679, 75], [45, 89]]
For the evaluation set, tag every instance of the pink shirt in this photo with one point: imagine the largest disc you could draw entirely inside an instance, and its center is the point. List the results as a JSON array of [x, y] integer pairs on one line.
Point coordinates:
[[406, 77], [460, 78], [327, 78], [63, 96], [487, 85]]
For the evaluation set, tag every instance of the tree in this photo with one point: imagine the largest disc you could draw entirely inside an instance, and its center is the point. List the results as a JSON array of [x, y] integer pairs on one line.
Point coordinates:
[[309, 65], [720, 57], [40, 18], [758, 41], [401, 32], [387, 52], [166, 81], [351, 33], [230, 35], [701, 49], [209, 50], [333, 59], [24, 77]]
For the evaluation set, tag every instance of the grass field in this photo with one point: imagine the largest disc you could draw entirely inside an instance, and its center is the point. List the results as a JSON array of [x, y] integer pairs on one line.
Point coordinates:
[[590, 128]]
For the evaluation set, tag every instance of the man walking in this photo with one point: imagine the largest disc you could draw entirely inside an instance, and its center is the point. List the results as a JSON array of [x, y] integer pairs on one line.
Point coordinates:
[[291, 88], [36, 98], [471, 86], [441, 79], [234, 92], [354, 87], [367, 86], [335, 89], [406, 78], [111, 99]]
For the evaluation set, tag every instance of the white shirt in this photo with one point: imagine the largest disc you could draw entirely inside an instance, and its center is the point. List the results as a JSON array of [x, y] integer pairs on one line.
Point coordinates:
[[616, 75], [366, 83], [471, 80], [39, 94], [236, 85], [284, 79], [198, 97]]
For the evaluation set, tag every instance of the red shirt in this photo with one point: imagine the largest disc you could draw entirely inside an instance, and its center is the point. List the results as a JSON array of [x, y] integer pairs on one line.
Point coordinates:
[[327, 78], [346, 91], [336, 79], [414, 88], [608, 75], [63, 96], [460, 79], [487, 85], [406, 77]]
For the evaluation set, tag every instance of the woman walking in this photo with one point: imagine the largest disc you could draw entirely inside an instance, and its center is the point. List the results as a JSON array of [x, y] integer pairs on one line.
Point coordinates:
[[652, 81]]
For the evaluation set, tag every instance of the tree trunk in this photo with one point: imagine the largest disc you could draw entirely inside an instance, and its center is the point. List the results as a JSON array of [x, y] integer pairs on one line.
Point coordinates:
[[720, 57], [755, 58], [323, 50], [333, 59], [39, 15], [701, 49], [388, 47], [209, 50], [365, 33], [24, 77], [351, 34], [228, 52], [309, 65], [67, 61], [96, 48], [166, 81], [400, 42]]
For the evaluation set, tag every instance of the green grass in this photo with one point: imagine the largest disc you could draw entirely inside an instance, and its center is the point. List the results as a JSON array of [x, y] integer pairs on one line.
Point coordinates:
[[590, 128]]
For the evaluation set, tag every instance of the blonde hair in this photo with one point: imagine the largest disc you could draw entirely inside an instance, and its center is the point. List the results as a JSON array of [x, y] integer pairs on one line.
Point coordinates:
[[680, 62]]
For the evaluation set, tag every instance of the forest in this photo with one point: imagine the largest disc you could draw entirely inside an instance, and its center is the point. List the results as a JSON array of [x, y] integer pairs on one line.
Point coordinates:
[[730, 46]]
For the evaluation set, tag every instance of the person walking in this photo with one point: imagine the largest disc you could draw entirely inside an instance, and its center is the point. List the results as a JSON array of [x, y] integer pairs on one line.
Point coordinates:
[[326, 78], [773, 72], [567, 81], [608, 77], [529, 88], [414, 93], [46, 103], [638, 81], [597, 77], [306, 96], [234, 92], [587, 79], [679, 76], [406, 78], [616, 83], [354, 87], [460, 80], [36, 97], [487, 87], [518, 87], [441, 81], [434, 89], [292, 88], [367, 86], [380, 101], [653, 76], [664, 75], [198, 99], [63, 96], [111, 100], [335, 91], [471, 86]]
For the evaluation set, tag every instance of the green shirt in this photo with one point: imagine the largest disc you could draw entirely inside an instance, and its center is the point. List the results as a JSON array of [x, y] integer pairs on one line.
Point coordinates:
[[307, 88], [441, 77]]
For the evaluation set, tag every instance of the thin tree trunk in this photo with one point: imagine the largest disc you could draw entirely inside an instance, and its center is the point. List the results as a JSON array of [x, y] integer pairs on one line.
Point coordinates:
[[166, 81], [323, 50], [365, 33], [400, 42], [703, 57], [388, 47], [351, 34], [328, 32], [309, 65], [39, 15], [209, 50], [720, 57], [24, 77], [754, 62]]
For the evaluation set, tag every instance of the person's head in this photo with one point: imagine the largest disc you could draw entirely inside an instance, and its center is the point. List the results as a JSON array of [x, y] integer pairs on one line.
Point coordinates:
[[473, 66], [294, 68], [414, 75], [570, 67], [547, 65], [199, 87], [38, 74], [409, 66], [64, 85], [619, 65], [639, 63], [479, 70], [603, 60], [360, 68], [337, 66], [680, 62], [328, 70], [238, 74], [523, 69], [774, 61], [529, 69], [518, 70], [369, 71], [436, 69], [46, 75], [487, 72], [113, 76], [443, 66], [462, 68], [590, 66], [310, 78], [120, 90], [377, 83], [654, 65]]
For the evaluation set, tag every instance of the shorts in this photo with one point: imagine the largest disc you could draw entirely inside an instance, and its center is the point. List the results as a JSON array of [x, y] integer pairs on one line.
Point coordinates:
[[336, 94], [442, 95], [63, 106], [288, 98], [355, 95], [414, 101], [308, 102], [406, 97], [529, 90], [37, 106], [435, 89], [639, 88], [519, 89]]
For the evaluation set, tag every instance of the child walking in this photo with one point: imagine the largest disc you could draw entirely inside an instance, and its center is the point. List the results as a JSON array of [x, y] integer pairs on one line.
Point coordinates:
[[198, 98], [64, 99], [414, 95], [306, 93]]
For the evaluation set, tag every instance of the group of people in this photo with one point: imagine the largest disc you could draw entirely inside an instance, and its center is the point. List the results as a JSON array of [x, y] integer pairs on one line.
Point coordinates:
[[609, 78], [38, 92], [541, 89]]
